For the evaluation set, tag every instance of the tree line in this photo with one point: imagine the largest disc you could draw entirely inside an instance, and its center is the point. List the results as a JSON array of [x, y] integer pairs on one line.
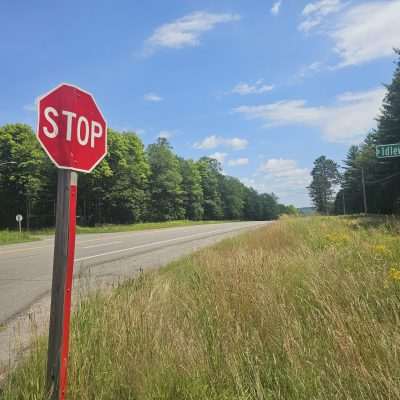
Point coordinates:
[[367, 183], [132, 184]]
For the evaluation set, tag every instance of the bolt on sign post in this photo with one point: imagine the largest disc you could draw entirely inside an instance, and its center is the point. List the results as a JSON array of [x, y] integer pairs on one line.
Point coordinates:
[[19, 219], [73, 132]]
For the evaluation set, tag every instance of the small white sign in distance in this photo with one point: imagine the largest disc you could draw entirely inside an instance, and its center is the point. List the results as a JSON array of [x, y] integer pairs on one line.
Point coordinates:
[[19, 217]]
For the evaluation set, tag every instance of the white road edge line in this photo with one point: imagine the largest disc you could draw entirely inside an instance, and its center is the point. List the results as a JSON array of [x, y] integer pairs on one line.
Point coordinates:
[[78, 243], [101, 244], [153, 244]]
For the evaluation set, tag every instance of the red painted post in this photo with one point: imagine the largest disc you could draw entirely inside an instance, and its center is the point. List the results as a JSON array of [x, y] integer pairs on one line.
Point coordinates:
[[64, 252], [68, 285]]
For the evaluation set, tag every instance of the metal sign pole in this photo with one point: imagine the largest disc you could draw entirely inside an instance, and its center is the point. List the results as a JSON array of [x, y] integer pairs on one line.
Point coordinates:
[[63, 263]]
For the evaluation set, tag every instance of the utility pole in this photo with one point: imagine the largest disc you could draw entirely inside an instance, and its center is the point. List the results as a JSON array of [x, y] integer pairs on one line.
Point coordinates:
[[364, 192]]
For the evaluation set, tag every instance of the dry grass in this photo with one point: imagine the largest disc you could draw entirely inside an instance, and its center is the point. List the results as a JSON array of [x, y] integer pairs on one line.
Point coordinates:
[[304, 309]]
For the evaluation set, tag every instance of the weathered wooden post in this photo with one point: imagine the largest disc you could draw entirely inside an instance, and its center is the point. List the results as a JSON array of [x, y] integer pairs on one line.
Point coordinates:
[[73, 132]]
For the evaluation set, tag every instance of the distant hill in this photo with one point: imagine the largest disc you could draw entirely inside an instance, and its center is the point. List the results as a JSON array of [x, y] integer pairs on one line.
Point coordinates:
[[307, 210]]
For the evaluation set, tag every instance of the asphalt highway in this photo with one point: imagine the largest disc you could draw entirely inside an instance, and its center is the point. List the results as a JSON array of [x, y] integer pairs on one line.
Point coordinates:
[[26, 269]]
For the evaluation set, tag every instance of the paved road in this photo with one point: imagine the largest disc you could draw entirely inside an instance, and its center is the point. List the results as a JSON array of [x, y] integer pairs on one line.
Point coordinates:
[[25, 269]]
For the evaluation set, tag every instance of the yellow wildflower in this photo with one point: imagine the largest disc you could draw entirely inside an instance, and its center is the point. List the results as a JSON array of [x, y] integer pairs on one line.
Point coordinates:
[[338, 238], [381, 250], [394, 274]]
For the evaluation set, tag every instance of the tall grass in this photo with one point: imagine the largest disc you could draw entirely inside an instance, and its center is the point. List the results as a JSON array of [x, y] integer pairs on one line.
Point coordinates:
[[304, 309], [10, 237]]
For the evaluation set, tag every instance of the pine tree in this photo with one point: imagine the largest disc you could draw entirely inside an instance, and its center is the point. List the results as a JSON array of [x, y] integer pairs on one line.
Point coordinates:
[[325, 176]]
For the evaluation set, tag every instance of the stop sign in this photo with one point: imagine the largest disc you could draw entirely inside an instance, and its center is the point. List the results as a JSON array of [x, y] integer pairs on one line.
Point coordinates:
[[71, 128]]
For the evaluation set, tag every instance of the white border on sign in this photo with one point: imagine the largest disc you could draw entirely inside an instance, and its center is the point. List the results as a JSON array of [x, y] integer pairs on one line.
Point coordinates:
[[43, 146]]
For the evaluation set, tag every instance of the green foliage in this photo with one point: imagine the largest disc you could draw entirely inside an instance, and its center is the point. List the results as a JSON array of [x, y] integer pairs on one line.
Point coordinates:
[[324, 176], [288, 210], [166, 195], [232, 196], [21, 182], [192, 195], [131, 185], [382, 176], [210, 171]]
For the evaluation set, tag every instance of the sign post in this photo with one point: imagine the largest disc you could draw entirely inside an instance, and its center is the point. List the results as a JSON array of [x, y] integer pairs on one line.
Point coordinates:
[[73, 132], [19, 219]]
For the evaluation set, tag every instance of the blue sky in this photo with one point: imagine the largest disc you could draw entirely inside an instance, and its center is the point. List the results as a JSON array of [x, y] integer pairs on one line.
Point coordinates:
[[264, 86]]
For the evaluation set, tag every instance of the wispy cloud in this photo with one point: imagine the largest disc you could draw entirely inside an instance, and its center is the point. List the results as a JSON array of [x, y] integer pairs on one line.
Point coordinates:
[[276, 7], [308, 70], [238, 162], [220, 157], [283, 177], [347, 121], [258, 87], [367, 32], [153, 97], [213, 141], [360, 33], [186, 31], [314, 13]]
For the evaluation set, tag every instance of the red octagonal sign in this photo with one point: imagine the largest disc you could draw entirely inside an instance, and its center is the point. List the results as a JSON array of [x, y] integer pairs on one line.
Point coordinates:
[[71, 128]]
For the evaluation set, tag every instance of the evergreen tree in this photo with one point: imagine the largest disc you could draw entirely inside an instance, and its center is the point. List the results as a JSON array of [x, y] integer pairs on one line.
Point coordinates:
[[388, 132], [325, 176]]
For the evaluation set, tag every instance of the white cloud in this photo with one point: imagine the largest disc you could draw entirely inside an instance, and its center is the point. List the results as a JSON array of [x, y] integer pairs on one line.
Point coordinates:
[[281, 168], [220, 157], [152, 97], [276, 7], [309, 70], [213, 141], [243, 88], [347, 121], [314, 13], [360, 33], [284, 178], [238, 161], [186, 31], [165, 134], [367, 32]]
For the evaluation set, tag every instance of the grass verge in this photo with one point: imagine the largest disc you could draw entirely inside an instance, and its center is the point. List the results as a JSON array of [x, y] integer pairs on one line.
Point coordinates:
[[142, 226], [10, 237], [307, 308]]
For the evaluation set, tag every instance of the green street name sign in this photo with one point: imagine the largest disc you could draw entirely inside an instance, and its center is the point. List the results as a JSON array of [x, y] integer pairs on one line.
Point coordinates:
[[388, 150]]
